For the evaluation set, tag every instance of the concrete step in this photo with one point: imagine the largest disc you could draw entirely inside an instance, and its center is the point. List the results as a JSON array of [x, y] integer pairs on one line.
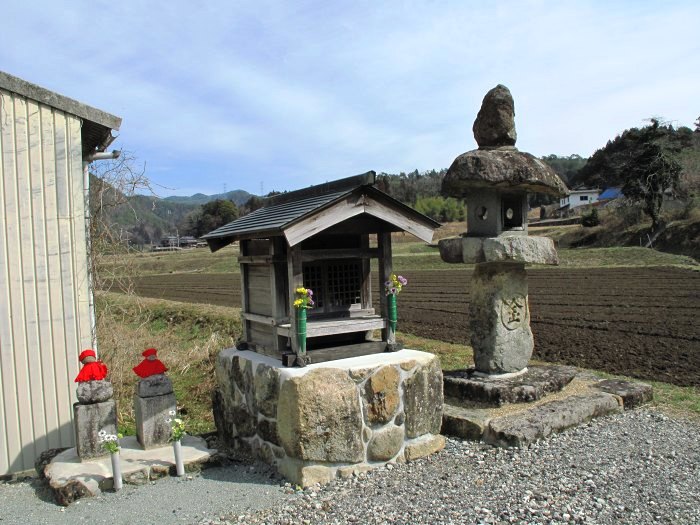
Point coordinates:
[[523, 429], [522, 424]]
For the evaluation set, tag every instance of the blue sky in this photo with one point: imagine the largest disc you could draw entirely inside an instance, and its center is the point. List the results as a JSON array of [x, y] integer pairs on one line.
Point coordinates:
[[282, 95]]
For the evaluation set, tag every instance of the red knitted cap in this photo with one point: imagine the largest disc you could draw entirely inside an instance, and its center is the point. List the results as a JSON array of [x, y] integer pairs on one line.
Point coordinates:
[[86, 353], [149, 351]]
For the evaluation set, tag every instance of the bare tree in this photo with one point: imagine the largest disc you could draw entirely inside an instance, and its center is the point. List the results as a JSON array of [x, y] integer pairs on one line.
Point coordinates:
[[112, 182]]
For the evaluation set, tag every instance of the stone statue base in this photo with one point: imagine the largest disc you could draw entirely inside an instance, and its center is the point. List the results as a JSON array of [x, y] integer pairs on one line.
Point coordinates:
[[89, 420], [153, 402], [499, 314]]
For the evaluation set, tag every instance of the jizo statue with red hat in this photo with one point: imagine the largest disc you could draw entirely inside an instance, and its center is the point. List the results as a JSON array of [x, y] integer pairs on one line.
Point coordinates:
[[154, 400], [96, 410], [93, 370], [151, 365]]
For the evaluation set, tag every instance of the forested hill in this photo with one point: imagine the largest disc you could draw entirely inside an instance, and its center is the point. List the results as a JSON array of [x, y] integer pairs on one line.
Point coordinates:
[[238, 197], [566, 167], [147, 218], [612, 164]]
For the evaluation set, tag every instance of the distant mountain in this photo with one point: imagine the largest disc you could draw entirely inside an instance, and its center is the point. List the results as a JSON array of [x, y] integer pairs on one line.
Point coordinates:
[[152, 211], [239, 197], [147, 218]]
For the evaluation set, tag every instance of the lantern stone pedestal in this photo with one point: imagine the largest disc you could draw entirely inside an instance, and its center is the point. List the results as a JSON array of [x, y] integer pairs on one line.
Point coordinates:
[[499, 314], [330, 419], [153, 402]]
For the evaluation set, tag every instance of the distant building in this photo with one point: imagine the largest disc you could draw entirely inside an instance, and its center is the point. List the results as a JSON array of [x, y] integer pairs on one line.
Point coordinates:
[[611, 194], [581, 197], [170, 241], [188, 241], [175, 241]]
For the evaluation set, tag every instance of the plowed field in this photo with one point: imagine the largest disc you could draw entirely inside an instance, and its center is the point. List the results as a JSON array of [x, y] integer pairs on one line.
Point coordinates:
[[640, 322]]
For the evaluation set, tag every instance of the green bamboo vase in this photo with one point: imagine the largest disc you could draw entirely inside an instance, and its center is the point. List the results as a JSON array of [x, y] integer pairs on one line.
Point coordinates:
[[393, 316], [301, 329]]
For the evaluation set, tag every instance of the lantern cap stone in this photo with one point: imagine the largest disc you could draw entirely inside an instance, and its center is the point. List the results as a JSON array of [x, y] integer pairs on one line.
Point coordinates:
[[497, 163], [507, 169]]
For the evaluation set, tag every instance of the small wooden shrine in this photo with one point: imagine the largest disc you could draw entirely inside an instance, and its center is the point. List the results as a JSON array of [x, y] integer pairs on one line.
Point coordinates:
[[321, 238]]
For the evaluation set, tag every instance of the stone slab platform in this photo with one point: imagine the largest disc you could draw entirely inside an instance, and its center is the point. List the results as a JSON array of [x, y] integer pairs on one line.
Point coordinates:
[[71, 479], [532, 385], [519, 425]]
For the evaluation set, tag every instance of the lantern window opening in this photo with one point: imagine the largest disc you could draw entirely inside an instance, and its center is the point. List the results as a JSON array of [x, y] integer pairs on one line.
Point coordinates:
[[512, 206]]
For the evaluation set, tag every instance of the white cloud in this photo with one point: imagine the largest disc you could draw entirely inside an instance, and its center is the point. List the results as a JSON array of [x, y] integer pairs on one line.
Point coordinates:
[[296, 94]]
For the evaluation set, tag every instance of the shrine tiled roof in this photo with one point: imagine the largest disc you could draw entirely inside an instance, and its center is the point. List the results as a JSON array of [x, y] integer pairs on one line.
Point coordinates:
[[286, 212]]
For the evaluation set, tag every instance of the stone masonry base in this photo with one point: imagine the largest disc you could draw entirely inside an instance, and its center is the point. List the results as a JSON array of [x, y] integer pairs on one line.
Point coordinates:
[[330, 419]]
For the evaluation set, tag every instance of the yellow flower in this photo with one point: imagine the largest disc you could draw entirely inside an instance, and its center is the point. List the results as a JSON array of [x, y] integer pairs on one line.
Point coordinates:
[[298, 302], [301, 290]]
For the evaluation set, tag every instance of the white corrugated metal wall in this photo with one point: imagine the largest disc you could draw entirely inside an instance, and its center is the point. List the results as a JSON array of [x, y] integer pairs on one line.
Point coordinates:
[[44, 293]]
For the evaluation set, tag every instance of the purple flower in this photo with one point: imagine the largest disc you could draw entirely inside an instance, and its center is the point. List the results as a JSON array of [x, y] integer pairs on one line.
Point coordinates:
[[393, 290], [309, 292], [403, 280]]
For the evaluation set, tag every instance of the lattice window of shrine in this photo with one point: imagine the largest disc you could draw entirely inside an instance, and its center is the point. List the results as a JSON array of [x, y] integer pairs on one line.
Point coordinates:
[[337, 284]]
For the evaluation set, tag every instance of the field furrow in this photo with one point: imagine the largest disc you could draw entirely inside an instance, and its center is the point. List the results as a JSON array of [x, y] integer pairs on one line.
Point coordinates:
[[640, 322]]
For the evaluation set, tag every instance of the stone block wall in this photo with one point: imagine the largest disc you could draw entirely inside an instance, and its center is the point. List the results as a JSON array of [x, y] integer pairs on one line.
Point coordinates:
[[330, 419]]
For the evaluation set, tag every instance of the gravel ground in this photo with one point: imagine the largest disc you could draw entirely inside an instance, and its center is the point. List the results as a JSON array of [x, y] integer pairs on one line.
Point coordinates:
[[213, 493], [638, 467], [635, 468]]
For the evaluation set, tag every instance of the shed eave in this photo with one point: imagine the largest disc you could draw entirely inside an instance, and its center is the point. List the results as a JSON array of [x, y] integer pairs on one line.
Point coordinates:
[[53, 99]]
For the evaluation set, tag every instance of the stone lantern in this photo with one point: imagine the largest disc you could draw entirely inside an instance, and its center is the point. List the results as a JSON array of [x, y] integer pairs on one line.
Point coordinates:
[[495, 181]]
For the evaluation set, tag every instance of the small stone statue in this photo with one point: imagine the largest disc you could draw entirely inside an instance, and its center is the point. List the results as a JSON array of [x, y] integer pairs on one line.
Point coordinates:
[[93, 370], [93, 387], [151, 365], [95, 410], [153, 401]]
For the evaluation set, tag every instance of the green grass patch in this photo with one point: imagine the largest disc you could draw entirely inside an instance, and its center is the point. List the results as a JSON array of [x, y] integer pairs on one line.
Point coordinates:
[[412, 248], [188, 338], [677, 400], [452, 356], [198, 260], [418, 261], [408, 255]]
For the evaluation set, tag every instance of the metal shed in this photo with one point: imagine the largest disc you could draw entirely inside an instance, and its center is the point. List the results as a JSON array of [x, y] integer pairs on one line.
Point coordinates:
[[319, 238], [46, 318]]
